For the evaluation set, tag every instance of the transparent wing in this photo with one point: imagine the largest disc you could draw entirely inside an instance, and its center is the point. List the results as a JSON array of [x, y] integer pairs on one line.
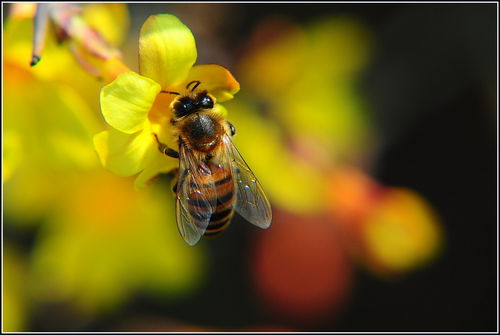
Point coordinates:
[[251, 202], [196, 197]]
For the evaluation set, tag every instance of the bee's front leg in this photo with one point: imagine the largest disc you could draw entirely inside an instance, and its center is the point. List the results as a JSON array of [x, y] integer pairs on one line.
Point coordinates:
[[165, 149]]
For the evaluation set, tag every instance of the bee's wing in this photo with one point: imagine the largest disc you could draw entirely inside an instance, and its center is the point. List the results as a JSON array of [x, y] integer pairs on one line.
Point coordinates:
[[251, 202], [196, 197]]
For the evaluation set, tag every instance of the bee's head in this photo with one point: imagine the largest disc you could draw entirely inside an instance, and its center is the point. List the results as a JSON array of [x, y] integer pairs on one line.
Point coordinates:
[[189, 104]]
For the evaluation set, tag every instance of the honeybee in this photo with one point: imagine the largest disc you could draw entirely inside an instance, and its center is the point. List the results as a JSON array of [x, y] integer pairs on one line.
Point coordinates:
[[213, 179]]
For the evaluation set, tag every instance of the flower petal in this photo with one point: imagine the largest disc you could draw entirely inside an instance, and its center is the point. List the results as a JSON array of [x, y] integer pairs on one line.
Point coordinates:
[[215, 79], [167, 50], [124, 154], [126, 101]]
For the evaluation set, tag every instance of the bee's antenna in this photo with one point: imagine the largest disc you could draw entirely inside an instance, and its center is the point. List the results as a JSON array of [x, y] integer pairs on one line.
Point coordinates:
[[175, 93], [195, 86]]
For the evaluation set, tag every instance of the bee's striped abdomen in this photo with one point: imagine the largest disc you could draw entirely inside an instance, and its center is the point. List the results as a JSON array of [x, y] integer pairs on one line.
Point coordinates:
[[224, 187], [220, 219]]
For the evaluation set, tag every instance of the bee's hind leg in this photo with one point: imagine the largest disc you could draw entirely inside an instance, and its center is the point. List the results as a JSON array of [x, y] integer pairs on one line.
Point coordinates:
[[175, 180], [165, 149]]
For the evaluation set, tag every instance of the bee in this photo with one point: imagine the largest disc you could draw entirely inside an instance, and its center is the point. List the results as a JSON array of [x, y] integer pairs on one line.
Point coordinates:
[[213, 179]]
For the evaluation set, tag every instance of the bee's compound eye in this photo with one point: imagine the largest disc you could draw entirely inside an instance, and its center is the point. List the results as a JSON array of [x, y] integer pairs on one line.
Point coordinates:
[[182, 109], [207, 102]]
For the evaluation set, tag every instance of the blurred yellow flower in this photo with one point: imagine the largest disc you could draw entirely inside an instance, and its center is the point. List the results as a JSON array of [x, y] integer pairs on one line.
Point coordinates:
[[49, 117], [289, 182], [390, 230], [312, 91], [111, 20], [302, 111], [401, 233], [80, 38], [48, 135], [69, 23], [134, 106], [107, 241]]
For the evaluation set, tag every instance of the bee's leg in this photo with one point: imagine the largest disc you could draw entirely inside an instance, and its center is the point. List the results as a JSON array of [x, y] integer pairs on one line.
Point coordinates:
[[175, 180], [232, 129], [164, 149]]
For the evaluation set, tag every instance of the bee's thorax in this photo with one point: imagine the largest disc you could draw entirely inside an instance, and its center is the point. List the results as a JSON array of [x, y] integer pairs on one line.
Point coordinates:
[[201, 131]]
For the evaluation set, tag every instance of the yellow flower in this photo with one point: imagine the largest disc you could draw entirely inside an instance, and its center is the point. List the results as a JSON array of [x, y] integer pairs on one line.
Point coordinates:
[[105, 242], [402, 232], [49, 118], [134, 105], [312, 92], [90, 34]]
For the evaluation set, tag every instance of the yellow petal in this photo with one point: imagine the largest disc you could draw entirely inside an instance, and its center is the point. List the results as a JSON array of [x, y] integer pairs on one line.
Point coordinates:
[[124, 154], [126, 101], [215, 79], [167, 50]]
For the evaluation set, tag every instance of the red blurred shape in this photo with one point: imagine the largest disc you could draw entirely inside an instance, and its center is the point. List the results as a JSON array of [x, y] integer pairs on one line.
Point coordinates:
[[300, 268], [352, 195]]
